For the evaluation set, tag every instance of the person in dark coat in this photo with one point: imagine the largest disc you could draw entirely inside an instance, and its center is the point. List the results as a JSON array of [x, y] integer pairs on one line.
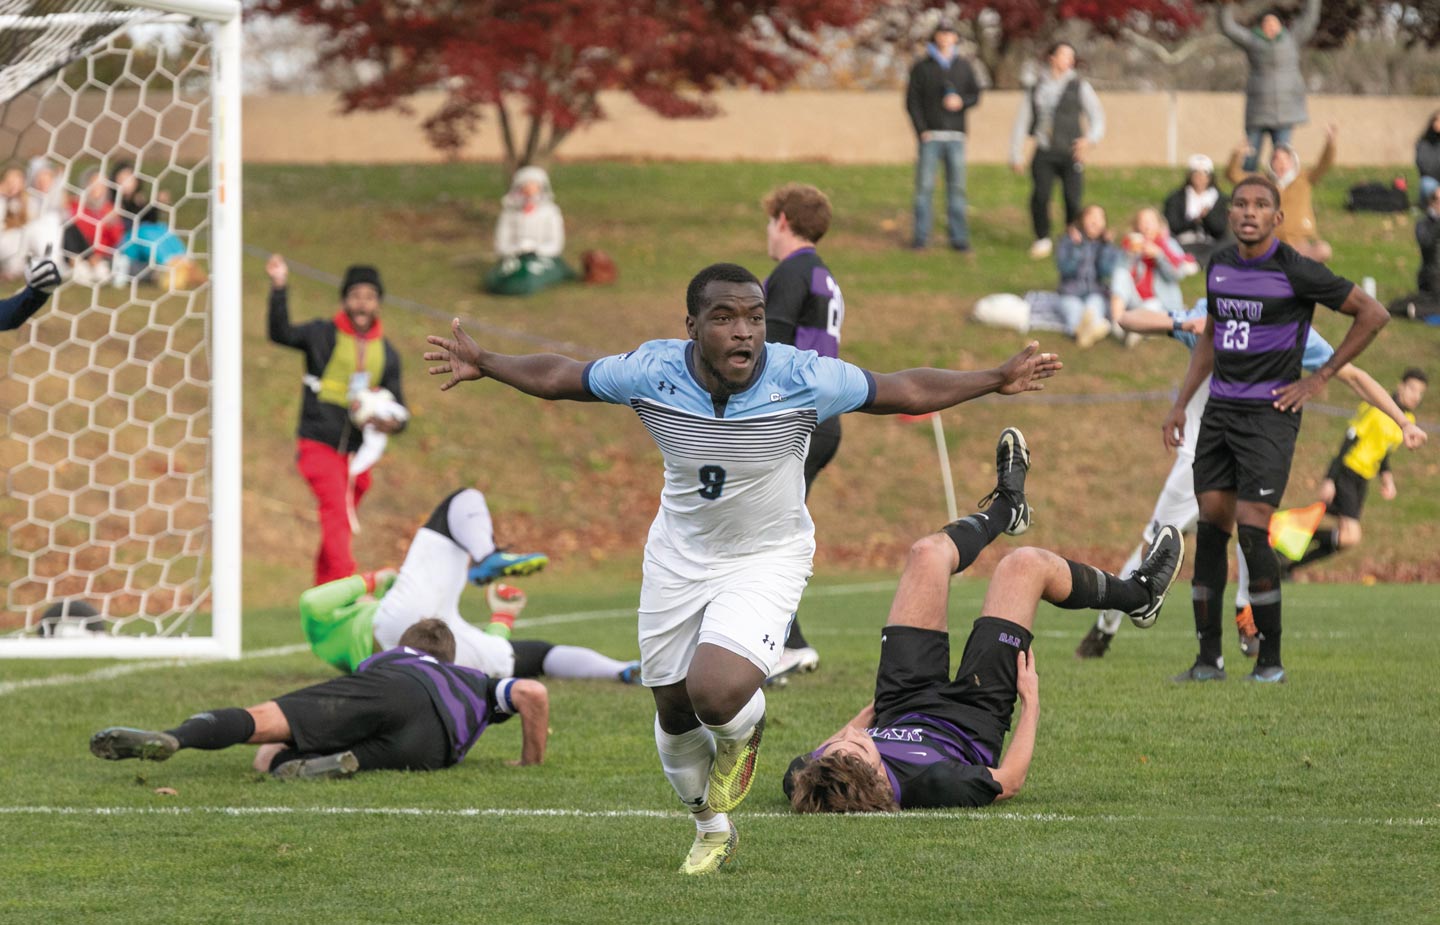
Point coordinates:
[[942, 91], [1427, 158], [1196, 212]]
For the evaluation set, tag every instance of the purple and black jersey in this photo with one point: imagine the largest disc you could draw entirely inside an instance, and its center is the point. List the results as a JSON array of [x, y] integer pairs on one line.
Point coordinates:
[[803, 305], [466, 700], [1262, 310]]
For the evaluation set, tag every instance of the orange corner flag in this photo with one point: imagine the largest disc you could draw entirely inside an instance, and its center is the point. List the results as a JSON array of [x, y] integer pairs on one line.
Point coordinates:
[[1291, 531]]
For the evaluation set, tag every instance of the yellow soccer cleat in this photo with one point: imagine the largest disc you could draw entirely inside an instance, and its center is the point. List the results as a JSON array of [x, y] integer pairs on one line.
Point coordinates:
[[711, 851], [734, 770]]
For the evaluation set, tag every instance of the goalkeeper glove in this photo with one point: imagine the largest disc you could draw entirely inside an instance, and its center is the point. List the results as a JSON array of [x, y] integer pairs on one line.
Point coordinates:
[[42, 276]]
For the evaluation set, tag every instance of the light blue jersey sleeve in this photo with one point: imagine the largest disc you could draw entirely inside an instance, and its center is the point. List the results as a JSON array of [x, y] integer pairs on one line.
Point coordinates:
[[839, 386], [1317, 352], [1185, 337], [615, 378]]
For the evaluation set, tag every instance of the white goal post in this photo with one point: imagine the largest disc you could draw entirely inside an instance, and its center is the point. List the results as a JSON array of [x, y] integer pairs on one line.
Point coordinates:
[[120, 452]]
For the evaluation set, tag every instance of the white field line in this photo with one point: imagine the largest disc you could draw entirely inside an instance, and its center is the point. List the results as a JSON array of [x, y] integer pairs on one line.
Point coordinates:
[[581, 616], [497, 812]]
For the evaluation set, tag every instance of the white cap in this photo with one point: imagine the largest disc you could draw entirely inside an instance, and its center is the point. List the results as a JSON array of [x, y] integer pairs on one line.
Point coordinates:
[[1201, 162]]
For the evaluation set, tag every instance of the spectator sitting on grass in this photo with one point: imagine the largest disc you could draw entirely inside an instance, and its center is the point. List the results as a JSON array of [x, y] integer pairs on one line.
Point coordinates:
[[529, 238], [1150, 272], [1425, 301], [1087, 260], [94, 231], [1196, 212]]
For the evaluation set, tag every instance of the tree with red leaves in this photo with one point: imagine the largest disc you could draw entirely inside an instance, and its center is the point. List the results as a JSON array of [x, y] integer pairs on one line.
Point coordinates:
[[550, 59]]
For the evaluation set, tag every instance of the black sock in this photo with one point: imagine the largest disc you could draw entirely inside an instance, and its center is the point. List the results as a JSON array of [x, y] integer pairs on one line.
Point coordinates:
[[1325, 543], [1264, 591], [973, 533], [1092, 589], [1207, 589], [216, 729], [795, 639]]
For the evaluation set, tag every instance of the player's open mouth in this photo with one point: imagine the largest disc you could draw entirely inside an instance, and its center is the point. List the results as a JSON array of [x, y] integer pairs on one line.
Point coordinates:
[[740, 357]]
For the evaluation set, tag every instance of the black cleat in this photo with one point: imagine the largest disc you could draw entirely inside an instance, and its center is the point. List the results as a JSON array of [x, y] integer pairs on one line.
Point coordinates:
[[1158, 571], [1012, 461], [333, 767], [1095, 644], [119, 742]]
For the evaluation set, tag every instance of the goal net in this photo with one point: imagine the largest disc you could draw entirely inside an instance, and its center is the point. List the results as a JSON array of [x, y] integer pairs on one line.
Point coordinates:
[[120, 448]]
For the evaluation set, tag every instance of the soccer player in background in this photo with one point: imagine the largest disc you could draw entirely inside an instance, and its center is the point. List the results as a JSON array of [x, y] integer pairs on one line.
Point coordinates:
[[1177, 504], [348, 620], [927, 741], [732, 545], [41, 278], [1260, 297], [344, 354], [1373, 434], [409, 708], [803, 308]]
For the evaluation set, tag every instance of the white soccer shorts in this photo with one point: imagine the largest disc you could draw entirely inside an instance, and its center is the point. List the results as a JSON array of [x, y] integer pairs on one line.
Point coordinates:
[[429, 585], [1176, 504], [743, 606]]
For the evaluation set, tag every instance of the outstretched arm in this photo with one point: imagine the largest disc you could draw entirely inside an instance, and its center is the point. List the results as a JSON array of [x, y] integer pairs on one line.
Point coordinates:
[[532, 702], [920, 391], [1370, 316], [40, 279], [544, 375], [1364, 385], [1016, 763]]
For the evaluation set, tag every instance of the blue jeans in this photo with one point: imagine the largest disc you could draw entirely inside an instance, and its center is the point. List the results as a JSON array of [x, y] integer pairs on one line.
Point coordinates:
[[1074, 307], [927, 167], [1279, 135]]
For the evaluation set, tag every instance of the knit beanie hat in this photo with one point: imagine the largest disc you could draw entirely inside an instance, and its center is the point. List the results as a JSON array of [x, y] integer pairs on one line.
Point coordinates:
[[360, 273]]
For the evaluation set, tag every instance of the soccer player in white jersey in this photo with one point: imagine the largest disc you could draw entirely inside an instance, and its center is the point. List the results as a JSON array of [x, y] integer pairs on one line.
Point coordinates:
[[730, 550]]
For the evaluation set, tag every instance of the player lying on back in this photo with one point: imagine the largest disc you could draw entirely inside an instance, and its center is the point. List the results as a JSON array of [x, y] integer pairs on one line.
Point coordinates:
[[927, 740], [40, 280], [732, 545], [410, 708], [347, 620]]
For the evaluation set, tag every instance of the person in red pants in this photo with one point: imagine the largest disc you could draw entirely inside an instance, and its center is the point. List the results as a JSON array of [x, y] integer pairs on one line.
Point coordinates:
[[344, 355]]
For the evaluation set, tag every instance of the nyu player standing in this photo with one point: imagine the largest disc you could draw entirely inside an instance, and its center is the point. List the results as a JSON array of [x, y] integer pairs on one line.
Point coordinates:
[[1261, 297], [730, 550], [1177, 504], [803, 308]]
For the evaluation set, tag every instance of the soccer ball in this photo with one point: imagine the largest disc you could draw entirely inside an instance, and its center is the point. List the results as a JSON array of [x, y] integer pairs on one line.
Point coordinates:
[[368, 405]]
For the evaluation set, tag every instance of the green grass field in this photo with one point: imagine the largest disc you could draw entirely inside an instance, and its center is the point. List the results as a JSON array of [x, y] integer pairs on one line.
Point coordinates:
[[1146, 801]]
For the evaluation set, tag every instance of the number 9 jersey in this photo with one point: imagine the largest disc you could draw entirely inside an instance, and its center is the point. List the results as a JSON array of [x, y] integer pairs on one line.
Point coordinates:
[[734, 464]]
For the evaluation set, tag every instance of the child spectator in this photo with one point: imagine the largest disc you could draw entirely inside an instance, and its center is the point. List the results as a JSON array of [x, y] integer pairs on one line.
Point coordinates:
[[95, 230], [529, 238], [1150, 271], [47, 206], [14, 219], [1275, 89], [1196, 212], [1086, 260]]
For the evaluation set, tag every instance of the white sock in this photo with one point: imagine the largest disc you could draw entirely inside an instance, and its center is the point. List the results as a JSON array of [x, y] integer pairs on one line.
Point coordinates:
[[1242, 585], [741, 723], [578, 662], [469, 521], [718, 822], [686, 759], [1109, 620]]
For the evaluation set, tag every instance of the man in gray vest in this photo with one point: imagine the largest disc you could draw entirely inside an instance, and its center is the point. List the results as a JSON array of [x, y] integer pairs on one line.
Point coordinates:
[[1052, 112]]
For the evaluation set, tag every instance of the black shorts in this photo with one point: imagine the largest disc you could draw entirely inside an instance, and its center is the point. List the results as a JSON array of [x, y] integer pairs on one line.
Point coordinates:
[[823, 444], [530, 657], [385, 718], [1350, 488], [914, 677], [1245, 448]]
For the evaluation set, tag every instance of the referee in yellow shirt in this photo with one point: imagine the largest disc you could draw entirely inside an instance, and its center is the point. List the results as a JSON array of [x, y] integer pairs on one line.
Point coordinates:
[[1365, 453]]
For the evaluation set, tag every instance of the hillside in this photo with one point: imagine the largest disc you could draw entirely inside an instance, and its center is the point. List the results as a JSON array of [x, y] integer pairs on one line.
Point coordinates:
[[580, 481]]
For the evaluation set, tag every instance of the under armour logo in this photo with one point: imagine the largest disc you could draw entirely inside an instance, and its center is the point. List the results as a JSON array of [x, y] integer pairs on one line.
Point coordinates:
[[664, 386], [768, 641]]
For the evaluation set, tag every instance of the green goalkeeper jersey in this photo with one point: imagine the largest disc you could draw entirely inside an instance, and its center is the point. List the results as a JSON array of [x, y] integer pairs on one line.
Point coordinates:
[[338, 619]]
